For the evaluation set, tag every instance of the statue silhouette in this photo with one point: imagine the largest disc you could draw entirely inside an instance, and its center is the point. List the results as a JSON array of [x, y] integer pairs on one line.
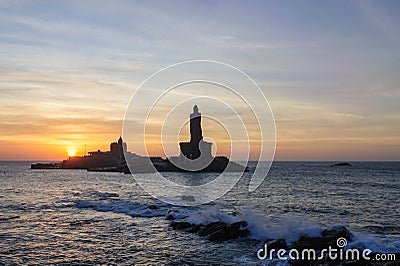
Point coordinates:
[[191, 149]]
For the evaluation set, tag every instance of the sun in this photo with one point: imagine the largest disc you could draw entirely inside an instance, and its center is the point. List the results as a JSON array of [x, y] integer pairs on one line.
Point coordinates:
[[71, 153]]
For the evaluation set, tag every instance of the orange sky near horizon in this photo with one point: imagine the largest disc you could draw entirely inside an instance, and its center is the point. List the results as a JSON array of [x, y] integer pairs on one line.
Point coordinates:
[[54, 147]]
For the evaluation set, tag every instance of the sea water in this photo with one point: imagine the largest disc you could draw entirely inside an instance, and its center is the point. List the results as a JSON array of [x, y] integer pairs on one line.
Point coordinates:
[[80, 217]]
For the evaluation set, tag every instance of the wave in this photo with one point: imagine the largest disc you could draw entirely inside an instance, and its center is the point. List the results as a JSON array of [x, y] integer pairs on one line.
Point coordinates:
[[134, 209], [260, 227]]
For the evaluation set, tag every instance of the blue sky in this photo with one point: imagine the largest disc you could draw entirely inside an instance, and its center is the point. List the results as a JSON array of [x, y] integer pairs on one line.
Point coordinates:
[[330, 69]]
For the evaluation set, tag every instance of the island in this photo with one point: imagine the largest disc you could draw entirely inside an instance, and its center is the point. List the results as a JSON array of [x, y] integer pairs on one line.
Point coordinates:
[[195, 156]]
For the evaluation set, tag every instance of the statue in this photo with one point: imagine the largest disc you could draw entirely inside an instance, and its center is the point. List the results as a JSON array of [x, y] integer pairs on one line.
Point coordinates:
[[196, 147]]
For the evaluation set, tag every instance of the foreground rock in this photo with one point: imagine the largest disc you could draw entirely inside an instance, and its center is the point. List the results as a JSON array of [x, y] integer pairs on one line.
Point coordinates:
[[328, 238], [221, 231], [215, 231]]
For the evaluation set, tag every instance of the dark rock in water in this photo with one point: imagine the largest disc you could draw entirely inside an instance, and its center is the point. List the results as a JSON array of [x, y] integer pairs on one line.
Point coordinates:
[[236, 230], [276, 244], [219, 231], [332, 235], [244, 233], [317, 243], [170, 217], [215, 231], [180, 225], [212, 227], [226, 234], [328, 238], [152, 207], [195, 228], [341, 164], [238, 225], [220, 235]]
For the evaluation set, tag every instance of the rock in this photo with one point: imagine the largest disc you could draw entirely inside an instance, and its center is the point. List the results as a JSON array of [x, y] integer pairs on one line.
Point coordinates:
[[222, 232], [212, 227], [237, 229], [328, 238], [170, 217], [276, 244], [239, 225], [194, 228], [180, 225], [152, 207], [216, 231], [244, 233], [317, 243], [332, 235], [220, 235]]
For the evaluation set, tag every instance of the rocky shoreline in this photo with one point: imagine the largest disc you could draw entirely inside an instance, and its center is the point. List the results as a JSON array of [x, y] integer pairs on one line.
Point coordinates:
[[219, 231]]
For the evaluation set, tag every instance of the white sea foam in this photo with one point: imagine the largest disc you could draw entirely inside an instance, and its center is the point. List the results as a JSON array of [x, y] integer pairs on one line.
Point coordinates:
[[211, 214], [134, 209], [384, 245], [290, 229], [260, 227]]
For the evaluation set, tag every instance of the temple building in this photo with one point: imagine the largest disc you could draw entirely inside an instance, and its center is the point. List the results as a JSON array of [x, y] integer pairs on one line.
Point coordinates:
[[117, 149], [197, 146]]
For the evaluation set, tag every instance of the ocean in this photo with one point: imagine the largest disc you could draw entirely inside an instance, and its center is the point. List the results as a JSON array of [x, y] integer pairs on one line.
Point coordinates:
[[80, 217]]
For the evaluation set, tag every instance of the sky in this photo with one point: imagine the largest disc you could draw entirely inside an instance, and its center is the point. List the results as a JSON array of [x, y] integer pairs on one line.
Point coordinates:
[[329, 70]]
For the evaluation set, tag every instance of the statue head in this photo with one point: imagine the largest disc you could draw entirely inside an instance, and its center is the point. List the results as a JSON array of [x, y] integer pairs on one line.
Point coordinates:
[[195, 109]]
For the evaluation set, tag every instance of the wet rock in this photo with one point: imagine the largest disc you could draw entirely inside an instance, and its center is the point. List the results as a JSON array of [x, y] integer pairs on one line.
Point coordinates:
[[219, 231], [317, 243], [212, 227], [276, 244], [237, 229], [244, 233], [152, 207], [170, 217], [220, 235], [215, 231], [239, 225], [328, 238], [332, 235], [194, 228], [180, 225]]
